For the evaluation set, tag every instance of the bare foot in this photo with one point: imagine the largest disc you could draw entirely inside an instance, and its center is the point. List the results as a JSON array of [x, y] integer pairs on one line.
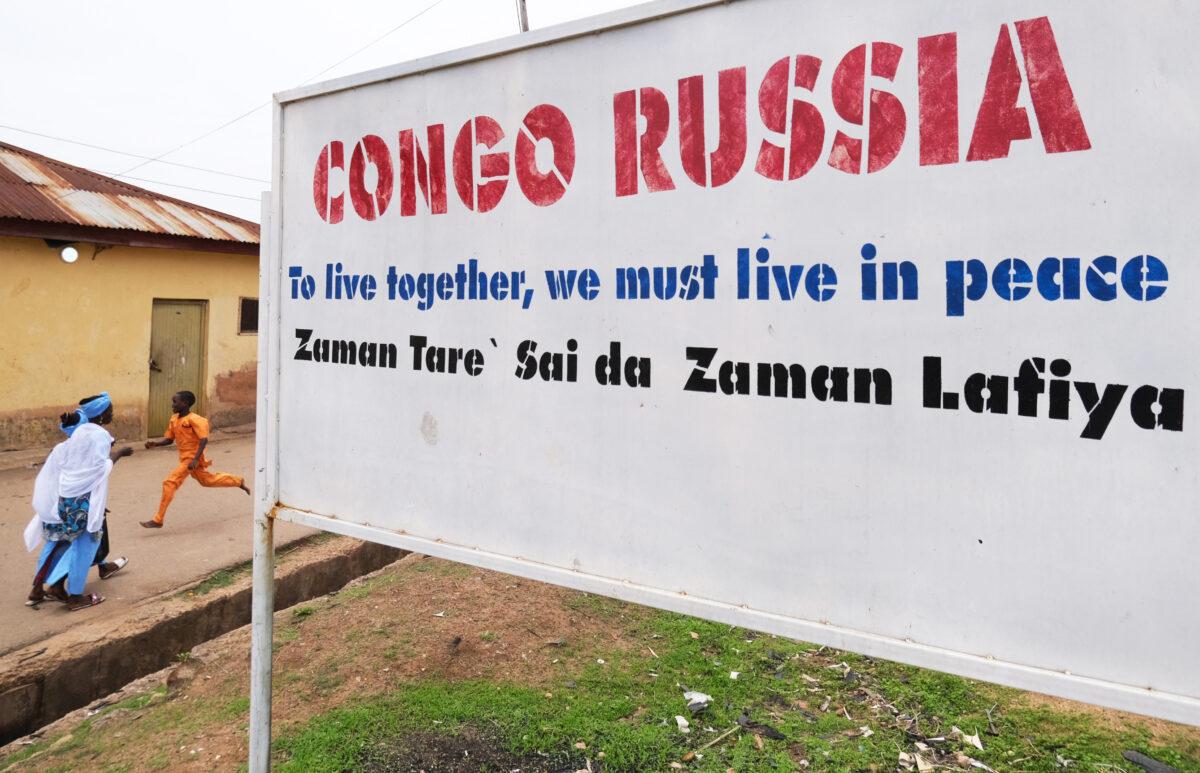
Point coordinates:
[[244, 487], [151, 525]]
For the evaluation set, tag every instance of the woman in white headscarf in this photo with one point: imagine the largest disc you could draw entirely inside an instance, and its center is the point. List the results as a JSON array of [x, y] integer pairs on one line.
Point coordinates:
[[68, 502]]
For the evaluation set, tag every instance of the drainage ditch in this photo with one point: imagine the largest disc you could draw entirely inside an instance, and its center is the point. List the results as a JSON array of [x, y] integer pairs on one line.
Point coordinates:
[[47, 680]]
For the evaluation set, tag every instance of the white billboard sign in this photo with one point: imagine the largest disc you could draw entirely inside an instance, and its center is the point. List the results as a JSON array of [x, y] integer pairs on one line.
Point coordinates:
[[865, 323]]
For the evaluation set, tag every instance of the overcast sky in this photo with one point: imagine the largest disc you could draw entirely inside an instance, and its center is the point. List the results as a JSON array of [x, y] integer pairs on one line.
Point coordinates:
[[145, 77]]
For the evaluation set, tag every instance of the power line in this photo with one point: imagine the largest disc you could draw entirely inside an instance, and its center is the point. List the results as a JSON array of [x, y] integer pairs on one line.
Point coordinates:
[[253, 110], [127, 153], [404, 23], [150, 160], [176, 185]]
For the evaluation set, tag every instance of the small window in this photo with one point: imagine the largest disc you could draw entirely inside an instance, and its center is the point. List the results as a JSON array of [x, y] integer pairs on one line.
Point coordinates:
[[248, 316]]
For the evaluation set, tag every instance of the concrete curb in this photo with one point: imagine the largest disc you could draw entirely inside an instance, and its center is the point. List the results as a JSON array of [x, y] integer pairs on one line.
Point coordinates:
[[45, 681]]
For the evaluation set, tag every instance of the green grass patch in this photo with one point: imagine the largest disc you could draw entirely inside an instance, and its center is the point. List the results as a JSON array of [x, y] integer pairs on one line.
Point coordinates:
[[13, 761], [163, 724], [222, 578], [137, 701], [402, 649], [364, 588], [595, 606], [325, 682], [335, 742], [238, 707], [288, 633], [432, 566]]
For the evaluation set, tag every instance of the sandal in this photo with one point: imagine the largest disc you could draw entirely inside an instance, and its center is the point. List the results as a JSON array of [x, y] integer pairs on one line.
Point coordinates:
[[112, 567], [36, 597], [76, 603]]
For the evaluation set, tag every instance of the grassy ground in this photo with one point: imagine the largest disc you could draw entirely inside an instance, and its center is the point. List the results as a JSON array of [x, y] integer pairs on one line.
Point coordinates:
[[625, 709], [435, 666]]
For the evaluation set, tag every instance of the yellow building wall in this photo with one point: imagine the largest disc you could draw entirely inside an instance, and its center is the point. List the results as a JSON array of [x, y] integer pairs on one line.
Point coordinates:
[[72, 330]]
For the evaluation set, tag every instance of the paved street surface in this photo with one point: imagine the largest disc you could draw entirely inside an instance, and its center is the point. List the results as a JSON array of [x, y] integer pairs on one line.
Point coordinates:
[[206, 529]]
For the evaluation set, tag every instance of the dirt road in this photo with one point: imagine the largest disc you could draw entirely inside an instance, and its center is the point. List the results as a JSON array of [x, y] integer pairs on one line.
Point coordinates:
[[207, 529]]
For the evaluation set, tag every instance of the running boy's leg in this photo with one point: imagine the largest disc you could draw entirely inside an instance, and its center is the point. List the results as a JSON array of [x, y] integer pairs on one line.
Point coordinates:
[[219, 479], [169, 487]]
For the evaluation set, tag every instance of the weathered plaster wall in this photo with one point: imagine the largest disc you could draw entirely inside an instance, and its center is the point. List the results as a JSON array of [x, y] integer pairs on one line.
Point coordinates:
[[233, 397], [70, 330]]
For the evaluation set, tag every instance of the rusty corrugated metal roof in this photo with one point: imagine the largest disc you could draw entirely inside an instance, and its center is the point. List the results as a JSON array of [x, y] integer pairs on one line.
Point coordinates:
[[38, 188]]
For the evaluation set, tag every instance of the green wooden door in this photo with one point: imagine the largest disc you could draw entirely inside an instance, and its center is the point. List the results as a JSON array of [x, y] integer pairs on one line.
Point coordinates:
[[176, 357]]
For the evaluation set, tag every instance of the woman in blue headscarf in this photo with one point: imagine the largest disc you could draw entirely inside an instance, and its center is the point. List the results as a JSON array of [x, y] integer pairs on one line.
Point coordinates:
[[68, 500]]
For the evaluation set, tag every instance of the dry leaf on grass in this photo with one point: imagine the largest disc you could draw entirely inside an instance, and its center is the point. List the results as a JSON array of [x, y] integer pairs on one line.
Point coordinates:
[[971, 739]]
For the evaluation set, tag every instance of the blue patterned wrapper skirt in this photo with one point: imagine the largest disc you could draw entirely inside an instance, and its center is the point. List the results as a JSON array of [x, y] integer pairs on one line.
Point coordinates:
[[70, 549]]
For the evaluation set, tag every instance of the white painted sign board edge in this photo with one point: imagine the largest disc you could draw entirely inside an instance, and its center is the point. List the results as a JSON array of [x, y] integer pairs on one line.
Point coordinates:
[[1169, 706]]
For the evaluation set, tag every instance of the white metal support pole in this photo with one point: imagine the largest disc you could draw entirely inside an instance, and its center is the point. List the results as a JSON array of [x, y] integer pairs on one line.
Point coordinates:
[[261, 620], [266, 465], [522, 16]]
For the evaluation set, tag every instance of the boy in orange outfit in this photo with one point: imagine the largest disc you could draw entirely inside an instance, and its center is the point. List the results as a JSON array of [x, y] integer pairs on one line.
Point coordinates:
[[189, 431]]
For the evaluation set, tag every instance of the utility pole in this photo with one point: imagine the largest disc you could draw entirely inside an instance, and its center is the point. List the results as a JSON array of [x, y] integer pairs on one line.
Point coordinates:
[[522, 16]]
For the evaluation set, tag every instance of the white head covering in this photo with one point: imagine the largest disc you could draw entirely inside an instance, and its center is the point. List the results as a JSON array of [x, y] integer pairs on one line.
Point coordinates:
[[79, 465]]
